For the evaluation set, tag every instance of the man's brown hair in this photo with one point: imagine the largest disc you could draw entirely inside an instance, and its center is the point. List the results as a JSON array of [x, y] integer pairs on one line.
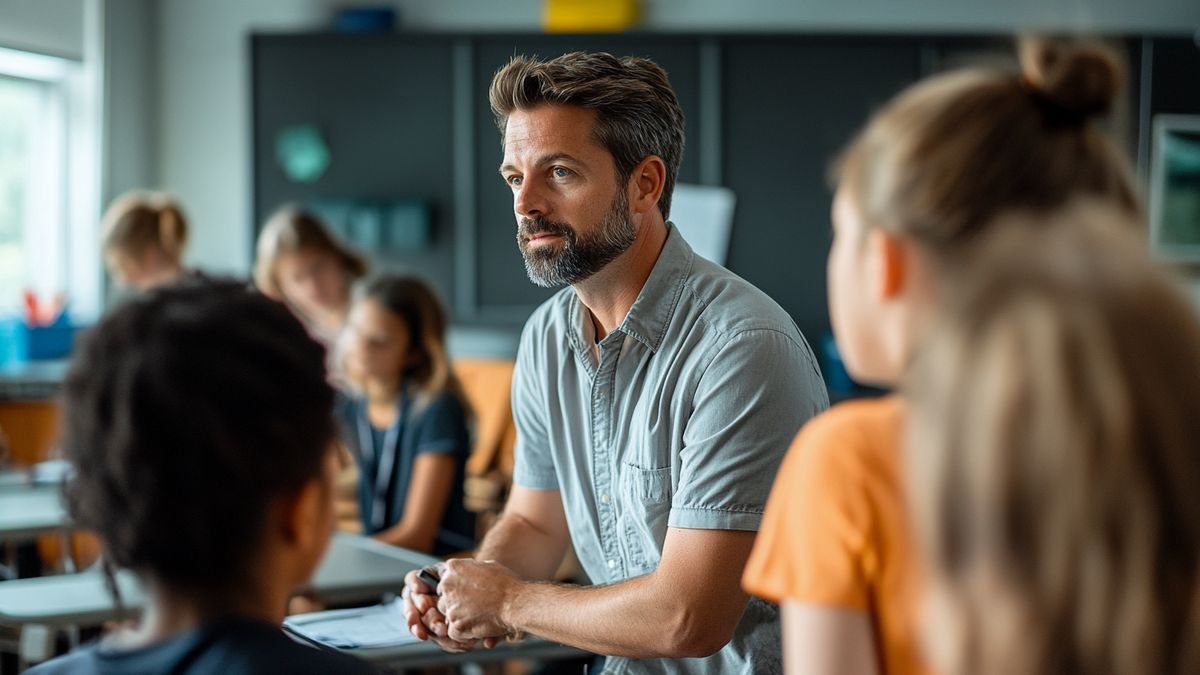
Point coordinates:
[[637, 112]]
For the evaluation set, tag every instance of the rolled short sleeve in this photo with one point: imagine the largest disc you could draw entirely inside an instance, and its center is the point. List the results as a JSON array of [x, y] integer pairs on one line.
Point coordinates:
[[534, 463], [760, 386], [814, 542], [443, 427]]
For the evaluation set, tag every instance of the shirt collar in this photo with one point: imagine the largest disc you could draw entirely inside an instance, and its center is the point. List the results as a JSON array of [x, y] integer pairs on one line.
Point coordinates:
[[650, 314]]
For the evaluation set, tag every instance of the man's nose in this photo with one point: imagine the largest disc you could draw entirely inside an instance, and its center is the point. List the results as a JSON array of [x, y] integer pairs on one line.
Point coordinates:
[[529, 200]]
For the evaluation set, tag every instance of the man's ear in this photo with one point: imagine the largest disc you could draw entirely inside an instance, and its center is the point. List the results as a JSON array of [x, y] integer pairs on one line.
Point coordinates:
[[646, 184], [892, 266]]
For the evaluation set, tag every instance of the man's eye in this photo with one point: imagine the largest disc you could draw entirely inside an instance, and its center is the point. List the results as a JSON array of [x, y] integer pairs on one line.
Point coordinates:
[[560, 172], [513, 181]]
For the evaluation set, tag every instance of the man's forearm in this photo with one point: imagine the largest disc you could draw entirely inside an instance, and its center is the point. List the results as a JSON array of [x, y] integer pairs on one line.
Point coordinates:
[[519, 545], [689, 606], [632, 618]]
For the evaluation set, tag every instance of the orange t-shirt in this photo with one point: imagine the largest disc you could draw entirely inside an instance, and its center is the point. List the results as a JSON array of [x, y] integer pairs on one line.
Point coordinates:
[[835, 530]]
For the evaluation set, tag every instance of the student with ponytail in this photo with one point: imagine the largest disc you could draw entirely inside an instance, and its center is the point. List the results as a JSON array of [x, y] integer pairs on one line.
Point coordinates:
[[144, 236], [916, 188]]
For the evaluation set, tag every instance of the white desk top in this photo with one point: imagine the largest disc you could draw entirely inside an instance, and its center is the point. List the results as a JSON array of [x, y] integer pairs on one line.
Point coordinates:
[[29, 511], [355, 569], [417, 654], [65, 599], [13, 479]]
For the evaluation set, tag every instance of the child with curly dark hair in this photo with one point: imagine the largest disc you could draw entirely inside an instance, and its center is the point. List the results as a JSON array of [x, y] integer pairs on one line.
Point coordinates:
[[199, 423]]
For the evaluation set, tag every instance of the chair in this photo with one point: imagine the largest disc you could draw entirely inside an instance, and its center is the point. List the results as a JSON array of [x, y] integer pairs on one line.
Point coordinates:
[[487, 386]]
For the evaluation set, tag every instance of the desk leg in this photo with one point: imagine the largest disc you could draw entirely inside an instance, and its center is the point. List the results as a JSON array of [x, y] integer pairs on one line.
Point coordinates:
[[36, 645], [8, 561], [68, 560]]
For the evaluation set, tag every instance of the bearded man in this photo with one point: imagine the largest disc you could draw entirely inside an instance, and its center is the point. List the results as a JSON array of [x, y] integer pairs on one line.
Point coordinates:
[[654, 397]]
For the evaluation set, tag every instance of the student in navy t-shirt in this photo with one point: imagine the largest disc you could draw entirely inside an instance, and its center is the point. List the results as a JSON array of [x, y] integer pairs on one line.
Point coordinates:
[[405, 419], [198, 422]]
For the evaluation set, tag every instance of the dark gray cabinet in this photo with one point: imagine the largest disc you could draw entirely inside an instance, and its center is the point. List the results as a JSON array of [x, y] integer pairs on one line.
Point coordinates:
[[407, 118], [791, 107]]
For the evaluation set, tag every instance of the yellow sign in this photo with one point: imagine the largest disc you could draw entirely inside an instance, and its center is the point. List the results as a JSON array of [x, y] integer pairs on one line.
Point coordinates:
[[590, 16]]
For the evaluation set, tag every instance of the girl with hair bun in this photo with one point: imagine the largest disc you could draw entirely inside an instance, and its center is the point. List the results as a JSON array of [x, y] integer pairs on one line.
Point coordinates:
[[144, 236], [929, 174]]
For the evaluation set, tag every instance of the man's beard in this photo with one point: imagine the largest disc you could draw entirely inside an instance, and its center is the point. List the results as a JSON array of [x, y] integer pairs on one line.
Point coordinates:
[[578, 257]]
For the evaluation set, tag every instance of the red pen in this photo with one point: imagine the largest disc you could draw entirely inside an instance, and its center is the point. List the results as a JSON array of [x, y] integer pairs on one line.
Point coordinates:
[[31, 308]]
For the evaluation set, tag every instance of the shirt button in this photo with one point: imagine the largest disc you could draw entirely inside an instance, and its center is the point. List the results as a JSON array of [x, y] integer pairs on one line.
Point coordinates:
[[612, 564], [604, 498]]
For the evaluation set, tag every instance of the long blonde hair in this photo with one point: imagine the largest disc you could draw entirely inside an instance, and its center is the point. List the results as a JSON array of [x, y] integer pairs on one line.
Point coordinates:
[[1054, 458], [140, 220]]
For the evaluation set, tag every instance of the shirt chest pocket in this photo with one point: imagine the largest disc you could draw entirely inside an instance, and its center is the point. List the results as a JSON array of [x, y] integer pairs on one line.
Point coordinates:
[[646, 486], [645, 509]]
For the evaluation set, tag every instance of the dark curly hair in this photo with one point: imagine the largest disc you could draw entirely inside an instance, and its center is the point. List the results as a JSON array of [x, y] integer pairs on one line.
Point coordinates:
[[186, 413]]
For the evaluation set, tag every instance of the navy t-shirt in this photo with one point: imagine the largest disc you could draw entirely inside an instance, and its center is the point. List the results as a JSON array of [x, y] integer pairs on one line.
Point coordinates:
[[435, 424], [233, 646]]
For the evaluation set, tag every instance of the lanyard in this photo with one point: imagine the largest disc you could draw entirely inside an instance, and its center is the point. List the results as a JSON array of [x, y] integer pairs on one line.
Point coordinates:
[[387, 456]]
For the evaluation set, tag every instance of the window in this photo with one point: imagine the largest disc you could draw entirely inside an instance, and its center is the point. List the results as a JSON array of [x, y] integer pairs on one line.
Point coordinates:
[[46, 175]]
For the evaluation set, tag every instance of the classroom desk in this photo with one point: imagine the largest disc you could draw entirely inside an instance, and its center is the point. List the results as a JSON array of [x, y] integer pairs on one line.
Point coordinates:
[[13, 479], [65, 600], [32, 380], [355, 569], [415, 655], [26, 512]]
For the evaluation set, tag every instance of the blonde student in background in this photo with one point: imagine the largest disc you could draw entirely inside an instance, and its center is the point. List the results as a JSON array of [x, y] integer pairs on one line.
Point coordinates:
[[143, 240], [1053, 423], [925, 179], [405, 419], [301, 263]]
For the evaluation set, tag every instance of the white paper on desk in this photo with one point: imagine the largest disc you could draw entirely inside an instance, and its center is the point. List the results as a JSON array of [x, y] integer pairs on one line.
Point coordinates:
[[375, 626], [704, 216]]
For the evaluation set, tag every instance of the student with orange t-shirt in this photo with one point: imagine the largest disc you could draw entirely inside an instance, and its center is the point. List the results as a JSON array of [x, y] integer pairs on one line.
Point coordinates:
[[922, 181]]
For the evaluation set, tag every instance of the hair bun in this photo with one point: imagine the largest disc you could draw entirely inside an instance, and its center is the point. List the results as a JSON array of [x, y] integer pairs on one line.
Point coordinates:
[[1079, 78]]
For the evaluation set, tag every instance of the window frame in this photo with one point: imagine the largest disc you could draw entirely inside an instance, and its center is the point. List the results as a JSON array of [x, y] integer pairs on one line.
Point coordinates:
[[60, 222]]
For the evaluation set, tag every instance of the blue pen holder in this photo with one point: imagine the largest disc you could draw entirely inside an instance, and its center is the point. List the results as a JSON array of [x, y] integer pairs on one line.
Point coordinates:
[[20, 342]]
